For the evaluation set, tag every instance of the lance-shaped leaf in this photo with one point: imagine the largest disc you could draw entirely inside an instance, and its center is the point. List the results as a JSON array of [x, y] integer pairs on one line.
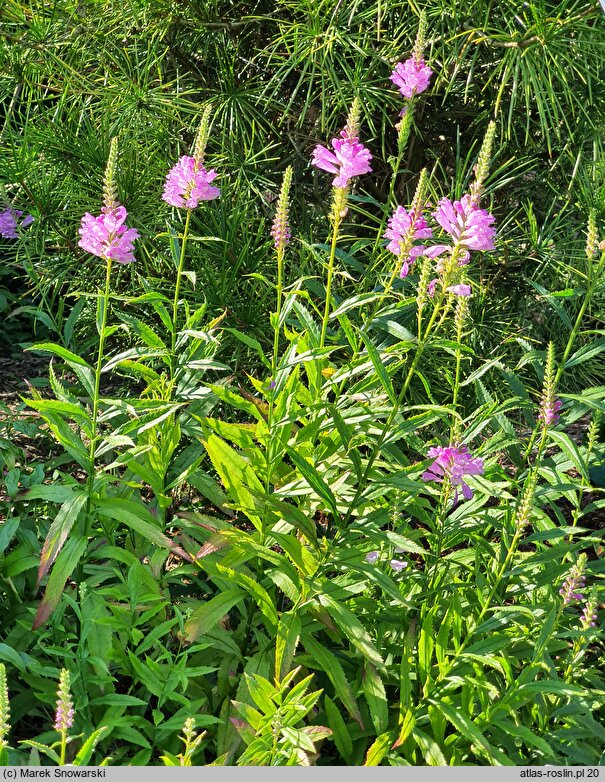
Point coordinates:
[[64, 566], [139, 519], [59, 530]]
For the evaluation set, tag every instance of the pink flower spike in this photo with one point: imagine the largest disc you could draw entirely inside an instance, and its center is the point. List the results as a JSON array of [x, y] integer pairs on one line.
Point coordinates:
[[188, 183], [460, 290], [412, 77], [349, 159], [9, 228], [404, 228], [469, 226], [453, 462], [106, 236]]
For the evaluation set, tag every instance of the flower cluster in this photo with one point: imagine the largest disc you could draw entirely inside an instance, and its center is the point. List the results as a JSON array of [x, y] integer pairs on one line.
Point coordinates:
[[453, 462], [5, 711], [64, 716], [280, 230], [574, 582], [9, 228], [403, 229], [589, 615], [549, 411], [350, 158], [397, 565], [188, 183], [550, 405], [469, 226], [411, 77], [106, 236]]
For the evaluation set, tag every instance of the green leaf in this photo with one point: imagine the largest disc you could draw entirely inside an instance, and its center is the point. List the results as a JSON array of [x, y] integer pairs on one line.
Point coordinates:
[[83, 370], [470, 731], [142, 330], [237, 475], [84, 755], [429, 748], [52, 493], [570, 450], [286, 641], [426, 643], [341, 734], [59, 530], [328, 662], [251, 343], [586, 352], [138, 518], [315, 481], [379, 750], [10, 655], [205, 616], [352, 628], [379, 366], [64, 567], [376, 697], [259, 593]]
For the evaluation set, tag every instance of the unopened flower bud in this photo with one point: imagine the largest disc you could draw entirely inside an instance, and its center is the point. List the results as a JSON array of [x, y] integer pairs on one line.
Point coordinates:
[[110, 189]]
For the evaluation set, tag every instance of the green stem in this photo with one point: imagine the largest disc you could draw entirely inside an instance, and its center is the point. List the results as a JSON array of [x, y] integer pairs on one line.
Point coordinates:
[[94, 437], [441, 516], [455, 425], [63, 747], [274, 362], [406, 384], [593, 279], [177, 291], [340, 196]]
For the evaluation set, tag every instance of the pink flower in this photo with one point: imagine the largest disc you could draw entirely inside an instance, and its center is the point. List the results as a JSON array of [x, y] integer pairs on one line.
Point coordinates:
[[398, 564], [431, 287], [574, 582], [9, 228], [549, 410], [412, 77], [371, 557], [188, 183], [349, 159], [453, 462], [469, 226], [404, 228], [106, 236], [460, 290]]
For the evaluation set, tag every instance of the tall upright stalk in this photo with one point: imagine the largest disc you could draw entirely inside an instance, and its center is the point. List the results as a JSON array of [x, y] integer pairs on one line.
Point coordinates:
[[94, 436], [177, 291], [338, 206]]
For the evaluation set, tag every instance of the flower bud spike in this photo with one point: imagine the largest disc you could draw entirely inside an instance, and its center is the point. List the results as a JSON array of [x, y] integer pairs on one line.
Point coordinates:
[[482, 166], [201, 139], [524, 507], [5, 712], [351, 129], [588, 620], [110, 189], [420, 41], [280, 230], [592, 236], [549, 403]]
